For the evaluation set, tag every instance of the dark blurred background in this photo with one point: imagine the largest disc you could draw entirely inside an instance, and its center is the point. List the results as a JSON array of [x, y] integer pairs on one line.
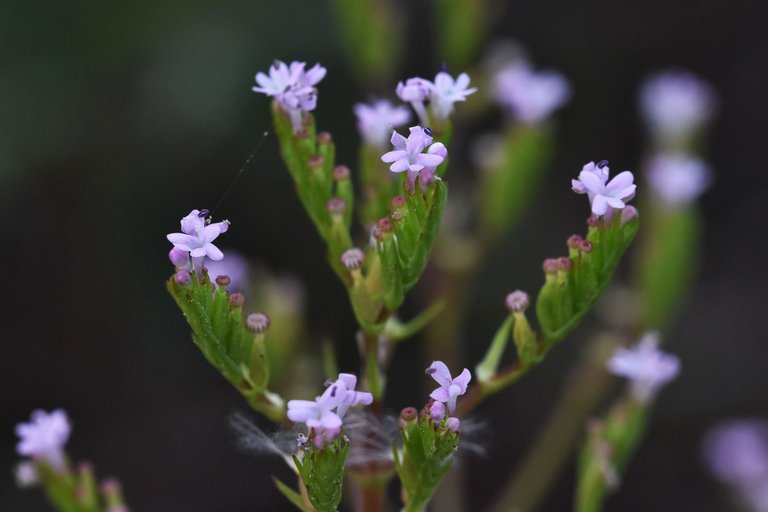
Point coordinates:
[[119, 117]]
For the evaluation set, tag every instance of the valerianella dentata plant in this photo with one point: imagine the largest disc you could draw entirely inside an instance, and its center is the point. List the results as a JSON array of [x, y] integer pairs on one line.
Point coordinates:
[[293, 87], [42, 441], [529, 95]]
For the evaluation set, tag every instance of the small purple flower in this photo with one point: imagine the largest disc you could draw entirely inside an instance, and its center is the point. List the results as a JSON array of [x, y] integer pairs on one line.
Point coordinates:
[[416, 91], [450, 389], [531, 96], [677, 103], [408, 156], [320, 415], [446, 91], [44, 437], [26, 474], [678, 179], [375, 122], [179, 258], [604, 195], [196, 238], [647, 367], [293, 87], [736, 452]]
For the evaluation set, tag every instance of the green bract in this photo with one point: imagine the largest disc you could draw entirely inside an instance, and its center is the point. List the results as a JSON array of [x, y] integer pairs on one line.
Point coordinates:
[[220, 333]]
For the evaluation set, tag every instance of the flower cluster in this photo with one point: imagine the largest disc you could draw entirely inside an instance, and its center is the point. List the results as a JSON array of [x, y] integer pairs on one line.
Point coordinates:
[[324, 414], [604, 196], [44, 437], [678, 179], [408, 154], [376, 121], [448, 392], [441, 94], [530, 96], [195, 240], [676, 104], [647, 367], [293, 88]]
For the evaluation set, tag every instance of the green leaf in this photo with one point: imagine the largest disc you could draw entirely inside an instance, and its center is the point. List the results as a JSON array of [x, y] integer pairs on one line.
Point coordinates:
[[292, 495]]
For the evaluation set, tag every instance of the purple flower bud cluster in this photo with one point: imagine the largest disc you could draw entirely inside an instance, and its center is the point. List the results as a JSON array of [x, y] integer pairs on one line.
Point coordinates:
[[324, 415], [604, 196], [531, 96], [195, 241], [442, 94], [293, 88], [646, 367], [408, 155], [446, 395]]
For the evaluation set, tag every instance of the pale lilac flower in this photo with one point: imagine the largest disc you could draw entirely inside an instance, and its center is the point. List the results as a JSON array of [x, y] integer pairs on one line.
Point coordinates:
[[44, 437], [196, 238], [179, 258], [600, 169], [531, 96], [320, 415], [736, 452], [677, 103], [678, 179], [408, 156], [450, 389], [604, 195], [351, 397], [647, 367], [416, 91], [437, 411], [375, 122], [446, 91], [293, 87]]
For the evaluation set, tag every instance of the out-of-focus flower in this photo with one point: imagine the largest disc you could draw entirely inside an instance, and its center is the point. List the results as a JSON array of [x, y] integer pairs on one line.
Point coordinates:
[[531, 96], [678, 179], [26, 474], [603, 194], [446, 92], [416, 91], [235, 266], [450, 389], [437, 410], [196, 238], [408, 156], [646, 367], [736, 453], [44, 437], [376, 121], [293, 87], [677, 103]]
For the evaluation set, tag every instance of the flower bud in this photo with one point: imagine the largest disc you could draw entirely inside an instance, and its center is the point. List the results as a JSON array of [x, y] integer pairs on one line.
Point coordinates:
[[517, 301], [384, 225], [574, 241], [179, 257], [223, 281], [336, 205], [453, 424], [564, 264], [550, 266], [315, 161], [236, 300], [437, 411], [398, 202], [353, 258], [324, 138], [340, 173], [182, 277], [257, 322], [409, 414], [628, 213], [585, 246]]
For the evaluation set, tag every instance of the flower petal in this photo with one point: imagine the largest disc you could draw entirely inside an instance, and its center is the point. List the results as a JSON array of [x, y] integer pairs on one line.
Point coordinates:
[[440, 372]]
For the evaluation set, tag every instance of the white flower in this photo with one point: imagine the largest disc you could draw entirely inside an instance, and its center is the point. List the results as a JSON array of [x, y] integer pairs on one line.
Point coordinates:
[[678, 179], [677, 103], [531, 96], [446, 92], [375, 122], [604, 194]]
